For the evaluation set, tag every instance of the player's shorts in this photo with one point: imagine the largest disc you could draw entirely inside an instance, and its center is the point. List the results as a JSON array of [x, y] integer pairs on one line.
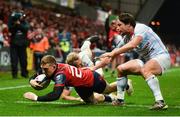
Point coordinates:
[[98, 86], [99, 83], [162, 59]]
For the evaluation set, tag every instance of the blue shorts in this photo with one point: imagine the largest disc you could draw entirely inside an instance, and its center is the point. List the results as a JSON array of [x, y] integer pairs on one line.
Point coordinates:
[[99, 86]]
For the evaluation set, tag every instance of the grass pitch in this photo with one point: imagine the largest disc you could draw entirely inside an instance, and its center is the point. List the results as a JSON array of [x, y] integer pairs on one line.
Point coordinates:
[[12, 102]]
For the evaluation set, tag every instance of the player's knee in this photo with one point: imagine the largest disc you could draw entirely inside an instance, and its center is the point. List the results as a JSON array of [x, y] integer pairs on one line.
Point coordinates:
[[99, 97], [121, 71], [145, 72]]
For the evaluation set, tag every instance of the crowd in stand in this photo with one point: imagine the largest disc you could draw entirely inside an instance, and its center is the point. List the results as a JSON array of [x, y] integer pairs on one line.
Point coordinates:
[[58, 29], [52, 26]]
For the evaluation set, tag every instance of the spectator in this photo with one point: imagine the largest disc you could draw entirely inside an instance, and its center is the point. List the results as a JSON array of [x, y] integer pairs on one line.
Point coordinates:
[[39, 44], [65, 43], [18, 28], [3, 34]]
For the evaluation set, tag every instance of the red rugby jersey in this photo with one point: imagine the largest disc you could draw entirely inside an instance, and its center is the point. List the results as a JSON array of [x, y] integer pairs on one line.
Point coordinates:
[[74, 76]]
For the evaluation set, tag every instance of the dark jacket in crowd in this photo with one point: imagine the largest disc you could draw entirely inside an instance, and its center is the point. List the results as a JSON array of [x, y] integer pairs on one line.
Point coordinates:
[[18, 33]]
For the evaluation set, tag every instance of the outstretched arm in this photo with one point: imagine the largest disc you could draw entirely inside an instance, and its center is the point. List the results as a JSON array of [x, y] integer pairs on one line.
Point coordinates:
[[103, 62], [49, 97], [54, 95], [127, 47]]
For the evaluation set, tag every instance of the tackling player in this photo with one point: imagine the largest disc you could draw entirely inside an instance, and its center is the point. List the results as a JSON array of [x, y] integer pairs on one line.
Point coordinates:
[[84, 59], [150, 47]]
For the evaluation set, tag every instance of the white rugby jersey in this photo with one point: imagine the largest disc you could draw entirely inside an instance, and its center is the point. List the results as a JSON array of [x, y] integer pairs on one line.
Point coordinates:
[[151, 45]]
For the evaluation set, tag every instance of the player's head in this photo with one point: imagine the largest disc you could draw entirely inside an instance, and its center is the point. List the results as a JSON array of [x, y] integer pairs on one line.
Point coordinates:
[[48, 65], [73, 59], [113, 24], [127, 18], [126, 22]]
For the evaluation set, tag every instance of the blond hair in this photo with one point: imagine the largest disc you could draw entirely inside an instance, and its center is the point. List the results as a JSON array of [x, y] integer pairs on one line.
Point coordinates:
[[48, 59], [71, 58]]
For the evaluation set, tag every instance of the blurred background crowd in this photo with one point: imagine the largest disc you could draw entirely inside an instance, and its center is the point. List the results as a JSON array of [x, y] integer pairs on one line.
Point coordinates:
[[60, 30]]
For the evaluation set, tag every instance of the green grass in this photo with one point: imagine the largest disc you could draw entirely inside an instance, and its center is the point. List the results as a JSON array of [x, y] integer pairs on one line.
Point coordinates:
[[12, 102]]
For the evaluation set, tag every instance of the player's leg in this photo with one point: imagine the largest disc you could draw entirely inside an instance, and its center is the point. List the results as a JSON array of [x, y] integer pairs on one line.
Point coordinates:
[[14, 61], [93, 38], [153, 67], [130, 67], [66, 94], [129, 88], [86, 94], [102, 97], [110, 88], [85, 48], [99, 87]]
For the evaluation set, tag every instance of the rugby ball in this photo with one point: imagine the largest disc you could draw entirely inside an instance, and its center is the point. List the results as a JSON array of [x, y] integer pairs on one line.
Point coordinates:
[[43, 81]]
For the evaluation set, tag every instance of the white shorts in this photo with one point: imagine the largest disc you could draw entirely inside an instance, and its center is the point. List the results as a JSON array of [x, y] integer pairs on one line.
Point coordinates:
[[162, 59]]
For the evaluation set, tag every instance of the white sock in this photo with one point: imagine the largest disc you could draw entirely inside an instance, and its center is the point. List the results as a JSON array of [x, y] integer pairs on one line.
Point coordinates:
[[153, 83], [121, 86]]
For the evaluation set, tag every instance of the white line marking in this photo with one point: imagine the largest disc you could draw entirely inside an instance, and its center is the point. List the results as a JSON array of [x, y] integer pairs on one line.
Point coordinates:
[[30, 102], [146, 106], [16, 87], [128, 105]]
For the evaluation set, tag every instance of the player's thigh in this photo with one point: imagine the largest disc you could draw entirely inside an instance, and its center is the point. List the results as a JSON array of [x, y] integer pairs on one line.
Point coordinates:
[[113, 85], [86, 93], [108, 89], [99, 84], [131, 67], [151, 67], [156, 65]]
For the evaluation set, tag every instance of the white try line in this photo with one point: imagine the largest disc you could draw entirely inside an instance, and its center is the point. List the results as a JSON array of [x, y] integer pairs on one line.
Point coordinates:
[[127, 105], [30, 102], [16, 87]]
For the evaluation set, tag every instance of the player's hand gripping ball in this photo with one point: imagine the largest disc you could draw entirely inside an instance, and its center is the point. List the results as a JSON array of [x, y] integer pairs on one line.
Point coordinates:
[[40, 82]]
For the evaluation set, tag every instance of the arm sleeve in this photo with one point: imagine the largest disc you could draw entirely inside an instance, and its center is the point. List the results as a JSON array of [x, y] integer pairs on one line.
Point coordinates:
[[52, 95], [57, 91]]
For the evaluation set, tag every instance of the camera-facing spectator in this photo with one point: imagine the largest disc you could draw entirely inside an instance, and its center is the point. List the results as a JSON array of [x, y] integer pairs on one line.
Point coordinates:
[[18, 27]]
